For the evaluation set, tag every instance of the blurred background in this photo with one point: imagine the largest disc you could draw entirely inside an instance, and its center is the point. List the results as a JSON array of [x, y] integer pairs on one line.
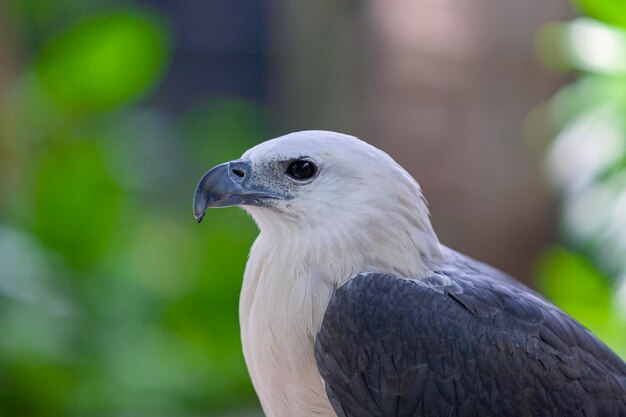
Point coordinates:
[[114, 302]]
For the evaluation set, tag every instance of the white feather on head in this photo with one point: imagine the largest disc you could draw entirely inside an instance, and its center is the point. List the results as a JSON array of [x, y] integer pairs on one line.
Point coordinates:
[[360, 199]]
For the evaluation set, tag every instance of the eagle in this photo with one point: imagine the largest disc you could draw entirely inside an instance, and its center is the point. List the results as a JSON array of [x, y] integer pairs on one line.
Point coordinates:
[[350, 306]]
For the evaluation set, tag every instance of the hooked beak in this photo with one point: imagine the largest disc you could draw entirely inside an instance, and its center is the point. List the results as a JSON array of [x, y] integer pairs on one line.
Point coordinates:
[[227, 185]]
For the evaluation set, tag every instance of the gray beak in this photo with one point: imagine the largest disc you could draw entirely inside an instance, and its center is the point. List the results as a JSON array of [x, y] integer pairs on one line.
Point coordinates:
[[227, 185]]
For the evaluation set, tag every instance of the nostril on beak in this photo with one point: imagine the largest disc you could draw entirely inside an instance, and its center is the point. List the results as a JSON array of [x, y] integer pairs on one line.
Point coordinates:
[[239, 170]]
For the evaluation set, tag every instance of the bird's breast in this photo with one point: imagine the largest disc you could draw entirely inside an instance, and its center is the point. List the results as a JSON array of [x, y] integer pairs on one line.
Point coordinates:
[[279, 321]]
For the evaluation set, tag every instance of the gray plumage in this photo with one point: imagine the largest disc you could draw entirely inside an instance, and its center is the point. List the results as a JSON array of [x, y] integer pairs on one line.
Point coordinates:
[[466, 341]]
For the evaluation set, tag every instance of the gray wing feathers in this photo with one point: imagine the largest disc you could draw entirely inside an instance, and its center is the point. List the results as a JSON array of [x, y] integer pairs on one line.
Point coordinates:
[[454, 346]]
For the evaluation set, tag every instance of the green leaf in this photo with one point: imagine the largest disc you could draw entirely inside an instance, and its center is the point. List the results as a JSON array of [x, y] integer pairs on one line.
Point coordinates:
[[584, 44], [104, 61], [610, 11]]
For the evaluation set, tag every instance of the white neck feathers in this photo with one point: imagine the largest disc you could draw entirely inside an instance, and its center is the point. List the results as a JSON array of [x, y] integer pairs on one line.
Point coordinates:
[[391, 236]]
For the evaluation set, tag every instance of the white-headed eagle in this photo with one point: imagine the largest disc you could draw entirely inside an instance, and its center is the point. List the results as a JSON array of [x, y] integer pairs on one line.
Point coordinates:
[[351, 307]]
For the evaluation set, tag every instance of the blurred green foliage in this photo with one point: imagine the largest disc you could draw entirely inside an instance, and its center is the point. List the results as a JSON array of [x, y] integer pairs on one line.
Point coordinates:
[[104, 60], [113, 301], [586, 164], [581, 290], [609, 11]]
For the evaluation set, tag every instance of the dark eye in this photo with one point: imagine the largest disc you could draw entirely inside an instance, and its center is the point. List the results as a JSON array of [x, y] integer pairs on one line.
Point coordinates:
[[301, 170]]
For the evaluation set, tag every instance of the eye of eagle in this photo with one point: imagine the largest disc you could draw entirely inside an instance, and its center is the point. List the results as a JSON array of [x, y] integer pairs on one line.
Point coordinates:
[[301, 169]]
